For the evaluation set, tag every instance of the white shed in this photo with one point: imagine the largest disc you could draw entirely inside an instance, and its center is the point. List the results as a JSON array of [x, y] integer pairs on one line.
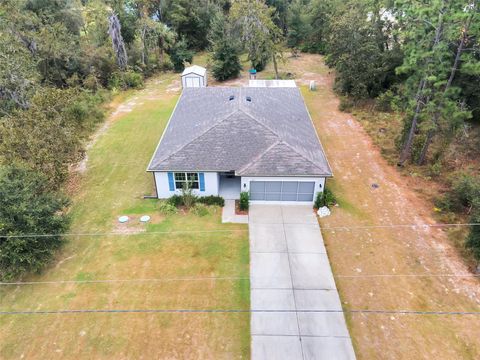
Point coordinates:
[[194, 76]]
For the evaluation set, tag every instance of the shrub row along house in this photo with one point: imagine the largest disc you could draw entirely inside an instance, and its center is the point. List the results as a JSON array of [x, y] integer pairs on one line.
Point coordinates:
[[222, 141]]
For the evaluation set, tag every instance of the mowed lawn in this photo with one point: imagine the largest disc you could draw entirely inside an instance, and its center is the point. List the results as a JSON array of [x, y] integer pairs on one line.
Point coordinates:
[[113, 185]]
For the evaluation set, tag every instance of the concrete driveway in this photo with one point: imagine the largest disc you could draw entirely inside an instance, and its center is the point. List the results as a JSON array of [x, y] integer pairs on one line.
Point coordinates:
[[290, 279]]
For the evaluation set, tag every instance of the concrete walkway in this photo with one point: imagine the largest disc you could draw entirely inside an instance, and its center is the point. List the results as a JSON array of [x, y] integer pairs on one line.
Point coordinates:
[[290, 272], [229, 216]]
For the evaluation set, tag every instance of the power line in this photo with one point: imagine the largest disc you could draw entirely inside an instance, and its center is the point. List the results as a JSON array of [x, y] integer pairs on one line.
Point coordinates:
[[406, 275], [227, 278], [124, 234], [357, 227], [235, 311], [223, 278]]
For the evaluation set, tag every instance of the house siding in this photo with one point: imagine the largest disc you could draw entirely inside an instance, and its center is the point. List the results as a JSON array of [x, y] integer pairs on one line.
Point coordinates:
[[319, 186], [210, 183]]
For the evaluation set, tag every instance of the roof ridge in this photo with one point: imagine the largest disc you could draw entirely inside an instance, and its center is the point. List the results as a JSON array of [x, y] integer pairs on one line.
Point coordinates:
[[240, 108], [281, 137], [303, 156], [199, 136], [258, 157], [270, 148]]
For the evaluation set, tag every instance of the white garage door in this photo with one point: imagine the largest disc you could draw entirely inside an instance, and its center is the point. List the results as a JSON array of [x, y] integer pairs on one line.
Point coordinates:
[[192, 82], [282, 190]]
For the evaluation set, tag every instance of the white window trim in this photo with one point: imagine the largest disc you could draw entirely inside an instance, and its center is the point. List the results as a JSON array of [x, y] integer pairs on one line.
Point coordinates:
[[186, 179]]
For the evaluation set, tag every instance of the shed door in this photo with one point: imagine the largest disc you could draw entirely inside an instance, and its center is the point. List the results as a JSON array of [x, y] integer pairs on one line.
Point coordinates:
[[282, 190], [192, 82]]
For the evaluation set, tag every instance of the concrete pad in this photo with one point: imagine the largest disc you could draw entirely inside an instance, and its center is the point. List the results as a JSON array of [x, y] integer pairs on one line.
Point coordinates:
[[337, 348], [229, 216], [265, 214], [270, 270], [322, 324], [267, 238], [304, 239], [289, 270], [298, 214], [276, 347], [311, 271], [317, 300], [272, 299], [275, 324]]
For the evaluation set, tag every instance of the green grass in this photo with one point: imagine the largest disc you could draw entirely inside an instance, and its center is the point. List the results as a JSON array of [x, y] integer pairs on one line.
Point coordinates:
[[114, 185]]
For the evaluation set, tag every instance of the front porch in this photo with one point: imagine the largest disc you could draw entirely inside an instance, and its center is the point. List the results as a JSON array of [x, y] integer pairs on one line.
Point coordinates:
[[229, 186]]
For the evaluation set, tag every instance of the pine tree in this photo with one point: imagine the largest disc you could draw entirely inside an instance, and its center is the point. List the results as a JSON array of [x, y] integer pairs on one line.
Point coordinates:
[[225, 49]]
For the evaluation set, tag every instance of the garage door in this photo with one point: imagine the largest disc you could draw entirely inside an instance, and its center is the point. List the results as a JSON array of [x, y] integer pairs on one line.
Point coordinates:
[[282, 190]]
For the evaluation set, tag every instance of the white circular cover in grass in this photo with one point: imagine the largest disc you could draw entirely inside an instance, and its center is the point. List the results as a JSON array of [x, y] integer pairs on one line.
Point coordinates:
[[123, 219], [145, 218]]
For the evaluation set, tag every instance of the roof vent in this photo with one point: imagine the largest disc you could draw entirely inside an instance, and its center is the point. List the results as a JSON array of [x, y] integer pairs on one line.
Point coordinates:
[[249, 99], [231, 98]]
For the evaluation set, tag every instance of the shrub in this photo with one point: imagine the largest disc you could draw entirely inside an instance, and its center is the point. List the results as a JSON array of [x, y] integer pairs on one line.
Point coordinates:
[[328, 198], [124, 80], [133, 80], [318, 201], [178, 200], [325, 198], [188, 197], [473, 239], [200, 210], [467, 190], [346, 104], [384, 101], [211, 200], [175, 200], [244, 201], [166, 208], [28, 206]]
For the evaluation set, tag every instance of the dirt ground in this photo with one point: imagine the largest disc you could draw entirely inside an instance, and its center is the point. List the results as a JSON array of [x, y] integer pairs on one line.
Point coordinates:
[[407, 256]]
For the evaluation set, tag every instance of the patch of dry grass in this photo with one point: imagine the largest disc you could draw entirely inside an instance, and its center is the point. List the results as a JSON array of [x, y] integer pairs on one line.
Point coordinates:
[[113, 185], [357, 164]]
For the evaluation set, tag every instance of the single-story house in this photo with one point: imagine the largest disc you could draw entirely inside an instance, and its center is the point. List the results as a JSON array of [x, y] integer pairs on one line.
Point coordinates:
[[194, 76], [226, 140]]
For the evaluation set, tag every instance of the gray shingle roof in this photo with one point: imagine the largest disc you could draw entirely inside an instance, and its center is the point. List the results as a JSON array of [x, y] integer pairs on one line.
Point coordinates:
[[271, 135]]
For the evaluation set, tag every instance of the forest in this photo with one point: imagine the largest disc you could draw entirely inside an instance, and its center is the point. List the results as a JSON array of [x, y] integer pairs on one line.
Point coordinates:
[[62, 60]]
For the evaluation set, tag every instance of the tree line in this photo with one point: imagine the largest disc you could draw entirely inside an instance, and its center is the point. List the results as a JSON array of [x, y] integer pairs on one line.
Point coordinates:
[[61, 59]]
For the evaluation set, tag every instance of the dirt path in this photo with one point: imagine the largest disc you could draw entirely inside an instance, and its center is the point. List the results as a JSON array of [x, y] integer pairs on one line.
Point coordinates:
[[395, 252]]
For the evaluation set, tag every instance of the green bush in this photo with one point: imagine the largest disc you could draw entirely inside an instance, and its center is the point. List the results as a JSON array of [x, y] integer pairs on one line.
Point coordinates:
[[188, 197], [244, 201], [28, 206], [325, 198], [133, 80], [125, 80], [211, 200], [346, 104], [318, 201], [465, 196], [167, 208], [175, 200], [384, 101], [467, 190], [200, 209], [473, 239]]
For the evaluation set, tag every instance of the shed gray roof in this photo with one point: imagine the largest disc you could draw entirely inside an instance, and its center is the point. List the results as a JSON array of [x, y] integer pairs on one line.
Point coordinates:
[[271, 135]]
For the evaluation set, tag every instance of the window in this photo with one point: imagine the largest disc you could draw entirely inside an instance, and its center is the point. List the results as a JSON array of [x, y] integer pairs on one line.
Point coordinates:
[[190, 178]]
